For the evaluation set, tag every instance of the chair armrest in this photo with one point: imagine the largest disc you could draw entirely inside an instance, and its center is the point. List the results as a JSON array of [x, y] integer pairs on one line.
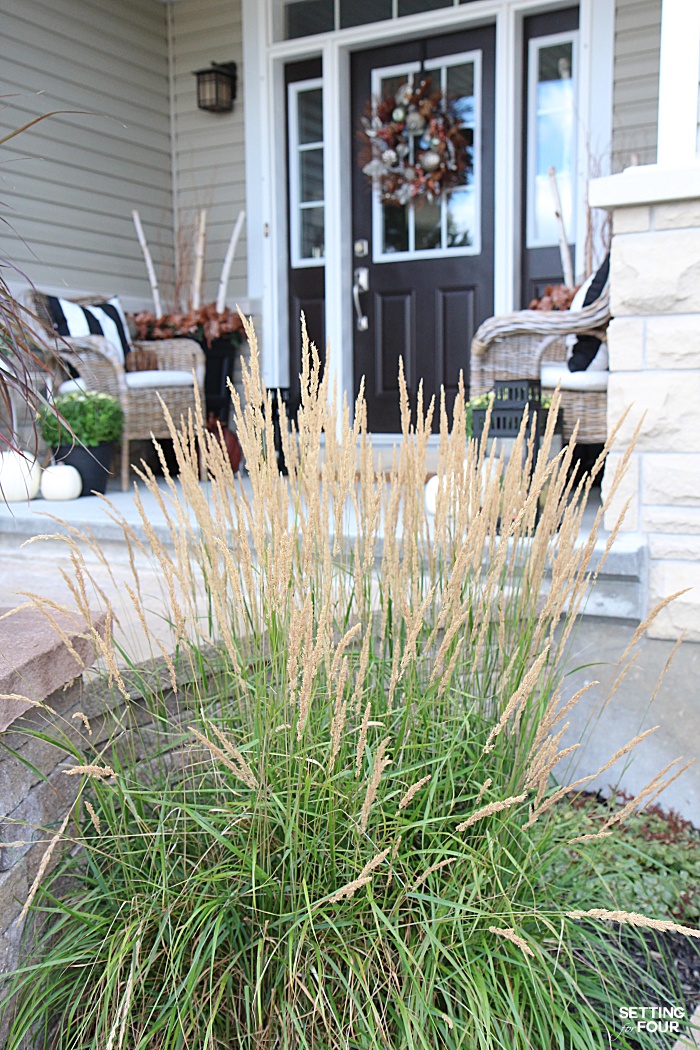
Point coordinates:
[[591, 320], [95, 359], [183, 355]]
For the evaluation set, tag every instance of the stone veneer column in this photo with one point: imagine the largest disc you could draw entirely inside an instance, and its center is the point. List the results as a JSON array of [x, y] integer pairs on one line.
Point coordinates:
[[654, 342]]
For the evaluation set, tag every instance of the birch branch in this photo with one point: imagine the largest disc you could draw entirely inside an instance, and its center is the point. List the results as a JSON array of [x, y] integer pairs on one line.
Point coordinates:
[[199, 261], [228, 260], [563, 242], [153, 281]]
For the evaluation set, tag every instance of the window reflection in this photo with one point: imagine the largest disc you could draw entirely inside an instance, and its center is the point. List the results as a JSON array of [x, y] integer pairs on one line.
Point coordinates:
[[553, 126]]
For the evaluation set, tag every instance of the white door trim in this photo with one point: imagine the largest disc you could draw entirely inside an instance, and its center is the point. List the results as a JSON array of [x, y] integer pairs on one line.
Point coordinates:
[[265, 159]]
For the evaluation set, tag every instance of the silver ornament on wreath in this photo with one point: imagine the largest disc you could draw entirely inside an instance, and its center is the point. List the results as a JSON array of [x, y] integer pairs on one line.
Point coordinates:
[[430, 160]]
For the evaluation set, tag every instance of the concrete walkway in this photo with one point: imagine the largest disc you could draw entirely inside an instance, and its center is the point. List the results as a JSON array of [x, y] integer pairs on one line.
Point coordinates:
[[597, 646]]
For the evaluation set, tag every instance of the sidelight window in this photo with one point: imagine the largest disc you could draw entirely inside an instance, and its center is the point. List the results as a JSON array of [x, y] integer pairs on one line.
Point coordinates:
[[306, 194], [552, 115]]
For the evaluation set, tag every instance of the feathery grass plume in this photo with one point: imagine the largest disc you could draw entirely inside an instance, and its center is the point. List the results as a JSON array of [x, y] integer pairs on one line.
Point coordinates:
[[556, 796], [233, 760], [375, 862], [362, 738], [413, 791], [84, 719], [380, 764], [511, 935], [97, 772], [517, 700], [493, 807], [339, 713], [95, 820], [631, 918], [24, 699], [299, 638], [348, 891], [45, 861], [431, 871]]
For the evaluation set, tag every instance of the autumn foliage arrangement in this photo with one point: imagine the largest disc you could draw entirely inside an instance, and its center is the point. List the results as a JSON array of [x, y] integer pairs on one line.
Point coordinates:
[[555, 297], [204, 324]]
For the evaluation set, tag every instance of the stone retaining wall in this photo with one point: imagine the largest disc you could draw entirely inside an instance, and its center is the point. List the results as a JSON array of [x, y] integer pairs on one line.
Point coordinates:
[[35, 793]]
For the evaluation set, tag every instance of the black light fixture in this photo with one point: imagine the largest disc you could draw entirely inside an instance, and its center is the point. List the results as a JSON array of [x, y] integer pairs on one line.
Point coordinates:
[[216, 87]]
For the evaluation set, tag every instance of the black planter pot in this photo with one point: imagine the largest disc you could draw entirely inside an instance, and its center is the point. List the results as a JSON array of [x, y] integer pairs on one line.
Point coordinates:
[[91, 463], [221, 357]]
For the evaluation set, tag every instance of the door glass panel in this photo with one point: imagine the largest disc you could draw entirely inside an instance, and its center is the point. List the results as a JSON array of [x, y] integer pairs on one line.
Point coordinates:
[[439, 225], [311, 116], [428, 221], [312, 233], [359, 12], [395, 231], [311, 175], [461, 219], [460, 89], [306, 191], [412, 7], [552, 138], [306, 17]]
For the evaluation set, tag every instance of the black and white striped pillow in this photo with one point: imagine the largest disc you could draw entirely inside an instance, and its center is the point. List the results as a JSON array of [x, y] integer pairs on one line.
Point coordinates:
[[107, 319]]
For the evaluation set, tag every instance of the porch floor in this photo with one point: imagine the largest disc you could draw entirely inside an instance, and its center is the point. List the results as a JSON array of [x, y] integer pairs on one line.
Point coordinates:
[[599, 638]]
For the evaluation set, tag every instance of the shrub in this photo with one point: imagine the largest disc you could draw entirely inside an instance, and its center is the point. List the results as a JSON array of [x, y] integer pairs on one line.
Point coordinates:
[[350, 835], [93, 419]]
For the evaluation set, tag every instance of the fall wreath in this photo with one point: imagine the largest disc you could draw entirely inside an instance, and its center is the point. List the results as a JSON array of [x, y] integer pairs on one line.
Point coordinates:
[[415, 145]]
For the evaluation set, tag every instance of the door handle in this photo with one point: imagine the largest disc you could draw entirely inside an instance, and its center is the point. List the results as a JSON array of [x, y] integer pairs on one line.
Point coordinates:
[[360, 284]]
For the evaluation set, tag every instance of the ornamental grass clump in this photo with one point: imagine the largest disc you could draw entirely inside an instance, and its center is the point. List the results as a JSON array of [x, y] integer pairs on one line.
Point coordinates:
[[345, 835]]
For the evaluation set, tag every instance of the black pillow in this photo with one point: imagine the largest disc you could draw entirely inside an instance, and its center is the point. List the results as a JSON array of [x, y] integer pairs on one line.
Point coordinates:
[[586, 346], [105, 318]]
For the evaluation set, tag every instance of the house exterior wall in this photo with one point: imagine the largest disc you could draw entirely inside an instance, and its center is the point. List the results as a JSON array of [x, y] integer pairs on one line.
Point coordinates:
[[636, 82], [71, 182], [208, 148]]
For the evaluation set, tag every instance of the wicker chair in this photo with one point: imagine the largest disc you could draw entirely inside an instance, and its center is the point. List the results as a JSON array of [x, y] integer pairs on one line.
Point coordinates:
[[517, 345], [93, 359]]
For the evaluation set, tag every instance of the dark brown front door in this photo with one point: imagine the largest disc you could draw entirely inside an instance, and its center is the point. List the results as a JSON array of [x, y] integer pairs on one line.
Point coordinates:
[[424, 271]]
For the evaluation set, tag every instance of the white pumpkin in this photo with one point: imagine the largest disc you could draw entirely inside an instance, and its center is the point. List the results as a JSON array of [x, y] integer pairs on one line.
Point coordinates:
[[61, 482], [20, 476]]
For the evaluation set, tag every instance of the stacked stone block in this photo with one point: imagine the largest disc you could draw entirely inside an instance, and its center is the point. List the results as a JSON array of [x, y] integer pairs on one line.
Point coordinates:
[[654, 343]]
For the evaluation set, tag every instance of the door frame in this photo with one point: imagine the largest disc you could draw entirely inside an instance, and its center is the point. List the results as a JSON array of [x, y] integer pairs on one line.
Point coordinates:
[[266, 162]]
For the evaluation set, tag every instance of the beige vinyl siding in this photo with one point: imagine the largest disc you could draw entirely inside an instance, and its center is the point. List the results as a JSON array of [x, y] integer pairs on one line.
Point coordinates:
[[69, 184], [636, 82], [208, 147]]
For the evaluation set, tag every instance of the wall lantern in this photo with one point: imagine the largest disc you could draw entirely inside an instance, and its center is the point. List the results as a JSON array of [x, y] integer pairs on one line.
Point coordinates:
[[216, 87]]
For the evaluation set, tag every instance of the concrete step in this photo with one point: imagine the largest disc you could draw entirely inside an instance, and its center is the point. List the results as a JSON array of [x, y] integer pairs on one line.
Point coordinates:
[[619, 592]]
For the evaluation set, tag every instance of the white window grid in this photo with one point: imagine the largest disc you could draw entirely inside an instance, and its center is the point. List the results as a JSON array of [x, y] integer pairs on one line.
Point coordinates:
[[282, 4], [296, 150], [409, 69]]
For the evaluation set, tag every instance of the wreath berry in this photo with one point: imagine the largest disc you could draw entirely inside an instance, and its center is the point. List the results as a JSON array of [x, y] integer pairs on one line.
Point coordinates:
[[415, 145]]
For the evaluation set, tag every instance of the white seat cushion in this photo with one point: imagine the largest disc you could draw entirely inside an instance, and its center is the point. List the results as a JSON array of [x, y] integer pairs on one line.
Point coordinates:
[[156, 378], [554, 375], [72, 385]]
